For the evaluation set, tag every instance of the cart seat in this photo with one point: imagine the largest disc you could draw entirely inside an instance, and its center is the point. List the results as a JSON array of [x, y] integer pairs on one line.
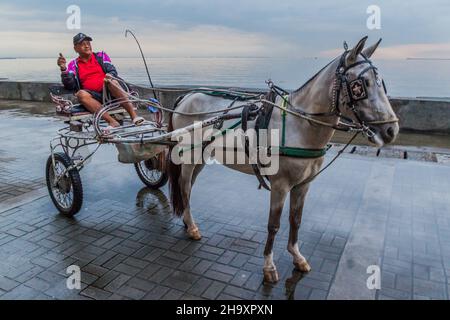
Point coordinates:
[[68, 108]]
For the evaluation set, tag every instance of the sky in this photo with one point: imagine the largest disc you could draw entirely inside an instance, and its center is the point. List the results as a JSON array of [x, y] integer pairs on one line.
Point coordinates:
[[226, 28]]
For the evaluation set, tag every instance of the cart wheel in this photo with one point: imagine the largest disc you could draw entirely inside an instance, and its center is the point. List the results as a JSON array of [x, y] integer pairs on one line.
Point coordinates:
[[67, 193], [147, 172]]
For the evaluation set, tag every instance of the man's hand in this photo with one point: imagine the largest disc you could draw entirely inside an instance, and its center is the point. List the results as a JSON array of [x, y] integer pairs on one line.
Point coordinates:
[[108, 78], [61, 62]]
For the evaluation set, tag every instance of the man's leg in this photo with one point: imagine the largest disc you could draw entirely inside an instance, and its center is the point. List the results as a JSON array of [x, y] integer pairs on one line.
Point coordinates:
[[118, 93], [93, 106]]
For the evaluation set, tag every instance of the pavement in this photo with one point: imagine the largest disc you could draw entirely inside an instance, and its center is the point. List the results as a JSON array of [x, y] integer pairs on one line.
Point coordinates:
[[365, 213]]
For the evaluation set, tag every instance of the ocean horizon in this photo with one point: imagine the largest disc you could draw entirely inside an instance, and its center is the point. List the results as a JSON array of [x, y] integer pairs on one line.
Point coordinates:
[[411, 77]]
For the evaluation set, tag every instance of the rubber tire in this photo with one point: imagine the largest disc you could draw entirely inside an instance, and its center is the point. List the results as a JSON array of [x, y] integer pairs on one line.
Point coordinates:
[[153, 185], [75, 180]]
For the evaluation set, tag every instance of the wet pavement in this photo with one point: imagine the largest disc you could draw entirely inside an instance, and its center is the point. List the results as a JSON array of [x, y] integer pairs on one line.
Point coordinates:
[[364, 211]]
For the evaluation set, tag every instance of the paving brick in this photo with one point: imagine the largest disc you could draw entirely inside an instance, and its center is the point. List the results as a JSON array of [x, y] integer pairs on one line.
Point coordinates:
[[395, 294], [173, 294], [239, 292], [111, 263], [105, 279], [317, 294], [7, 284], [213, 290], [431, 289], [117, 282], [126, 269], [154, 254], [176, 256], [223, 268], [149, 271], [140, 284], [200, 286], [157, 293], [161, 274], [131, 292], [96, 293], [240, 278], [21, 292], [201, 267], [95, 270], [239, 260], [38, 284]]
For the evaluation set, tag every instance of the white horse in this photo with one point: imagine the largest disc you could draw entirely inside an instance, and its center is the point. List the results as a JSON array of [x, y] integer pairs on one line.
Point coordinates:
[[347, 88]]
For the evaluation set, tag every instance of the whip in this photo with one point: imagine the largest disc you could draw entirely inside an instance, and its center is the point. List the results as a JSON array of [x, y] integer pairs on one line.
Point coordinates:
[[143, 58]]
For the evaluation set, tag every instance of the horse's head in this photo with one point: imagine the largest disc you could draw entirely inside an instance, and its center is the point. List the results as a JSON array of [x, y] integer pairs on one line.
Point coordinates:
[[360, 95]]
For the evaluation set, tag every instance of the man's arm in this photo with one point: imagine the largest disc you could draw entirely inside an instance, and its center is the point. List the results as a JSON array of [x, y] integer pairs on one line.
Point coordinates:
[[67, 73]]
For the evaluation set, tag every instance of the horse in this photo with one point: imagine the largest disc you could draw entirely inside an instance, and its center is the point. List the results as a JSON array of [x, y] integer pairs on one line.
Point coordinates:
[[349, 88]]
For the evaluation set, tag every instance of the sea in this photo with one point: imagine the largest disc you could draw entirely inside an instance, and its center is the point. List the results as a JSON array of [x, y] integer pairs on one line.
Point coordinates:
[[403, 78]]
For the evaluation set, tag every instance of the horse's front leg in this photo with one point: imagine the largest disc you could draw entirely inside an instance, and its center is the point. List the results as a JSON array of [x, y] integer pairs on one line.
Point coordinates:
[[298, 194], [277, 197]]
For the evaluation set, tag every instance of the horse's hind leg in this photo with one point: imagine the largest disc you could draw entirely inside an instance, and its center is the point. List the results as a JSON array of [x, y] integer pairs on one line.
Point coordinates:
[[297, 200], [277, 197], [188, 174]]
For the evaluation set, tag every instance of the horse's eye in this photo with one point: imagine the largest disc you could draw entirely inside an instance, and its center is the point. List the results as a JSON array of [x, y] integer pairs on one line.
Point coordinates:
[[367, 82]]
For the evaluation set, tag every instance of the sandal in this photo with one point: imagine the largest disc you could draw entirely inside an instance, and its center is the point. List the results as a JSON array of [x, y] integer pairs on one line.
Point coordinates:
[[138, 121]]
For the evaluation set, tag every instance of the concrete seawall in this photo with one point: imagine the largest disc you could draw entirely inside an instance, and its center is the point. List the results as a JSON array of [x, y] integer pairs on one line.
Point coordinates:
[[415, 114]]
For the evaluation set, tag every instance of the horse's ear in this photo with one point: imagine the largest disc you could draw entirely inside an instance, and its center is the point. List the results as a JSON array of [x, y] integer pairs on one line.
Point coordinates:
[[356, 50], [367, 52]]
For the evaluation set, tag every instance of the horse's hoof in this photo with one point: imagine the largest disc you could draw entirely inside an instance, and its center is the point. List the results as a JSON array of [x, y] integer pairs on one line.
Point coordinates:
[[194, 234], [302, 266], [270, 275]]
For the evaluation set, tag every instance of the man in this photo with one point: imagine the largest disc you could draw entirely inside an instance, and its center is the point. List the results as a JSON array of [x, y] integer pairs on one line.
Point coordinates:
[[86, 74]]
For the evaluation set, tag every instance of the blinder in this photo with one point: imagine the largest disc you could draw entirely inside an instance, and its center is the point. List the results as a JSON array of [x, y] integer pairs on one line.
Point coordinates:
[[357, 89]]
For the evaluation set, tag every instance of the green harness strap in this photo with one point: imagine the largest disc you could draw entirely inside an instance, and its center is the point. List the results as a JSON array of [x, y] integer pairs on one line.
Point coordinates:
[[294, 151]]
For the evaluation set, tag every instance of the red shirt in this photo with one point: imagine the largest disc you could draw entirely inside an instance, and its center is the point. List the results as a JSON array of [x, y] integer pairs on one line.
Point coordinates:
[[91, 74]]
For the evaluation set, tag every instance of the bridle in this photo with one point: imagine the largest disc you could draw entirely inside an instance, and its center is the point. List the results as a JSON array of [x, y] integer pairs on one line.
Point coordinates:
[[353, 91]]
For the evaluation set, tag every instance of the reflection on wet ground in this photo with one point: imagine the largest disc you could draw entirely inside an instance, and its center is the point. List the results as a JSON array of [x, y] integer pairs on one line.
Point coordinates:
[[154, 201], [291, 283]]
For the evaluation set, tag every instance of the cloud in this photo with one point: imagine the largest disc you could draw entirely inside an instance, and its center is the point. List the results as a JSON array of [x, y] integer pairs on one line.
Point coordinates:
[[288, 28], [43, 33]]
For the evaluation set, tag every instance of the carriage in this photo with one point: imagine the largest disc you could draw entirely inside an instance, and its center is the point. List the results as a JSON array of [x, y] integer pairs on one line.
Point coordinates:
[[69, 150]]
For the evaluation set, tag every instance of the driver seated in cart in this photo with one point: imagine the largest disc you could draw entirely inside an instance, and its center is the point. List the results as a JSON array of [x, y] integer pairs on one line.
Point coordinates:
[[86, 75]]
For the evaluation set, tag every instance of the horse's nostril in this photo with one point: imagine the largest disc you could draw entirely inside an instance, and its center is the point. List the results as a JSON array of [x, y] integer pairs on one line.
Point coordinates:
[[390, 132]]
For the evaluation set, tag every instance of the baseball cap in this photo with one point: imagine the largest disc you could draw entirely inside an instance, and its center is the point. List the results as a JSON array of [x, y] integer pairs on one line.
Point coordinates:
[[80, 38]]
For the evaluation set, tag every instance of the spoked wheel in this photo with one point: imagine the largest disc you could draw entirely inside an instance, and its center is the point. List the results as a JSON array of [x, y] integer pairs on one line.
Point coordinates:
[[66, 190], [150, 174]]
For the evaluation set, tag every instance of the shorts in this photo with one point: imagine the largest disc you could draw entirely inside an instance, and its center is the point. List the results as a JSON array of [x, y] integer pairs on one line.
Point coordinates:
[[96, 95]]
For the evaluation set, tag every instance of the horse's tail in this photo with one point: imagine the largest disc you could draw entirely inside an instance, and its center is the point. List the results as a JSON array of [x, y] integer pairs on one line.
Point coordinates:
[[174, 173]]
